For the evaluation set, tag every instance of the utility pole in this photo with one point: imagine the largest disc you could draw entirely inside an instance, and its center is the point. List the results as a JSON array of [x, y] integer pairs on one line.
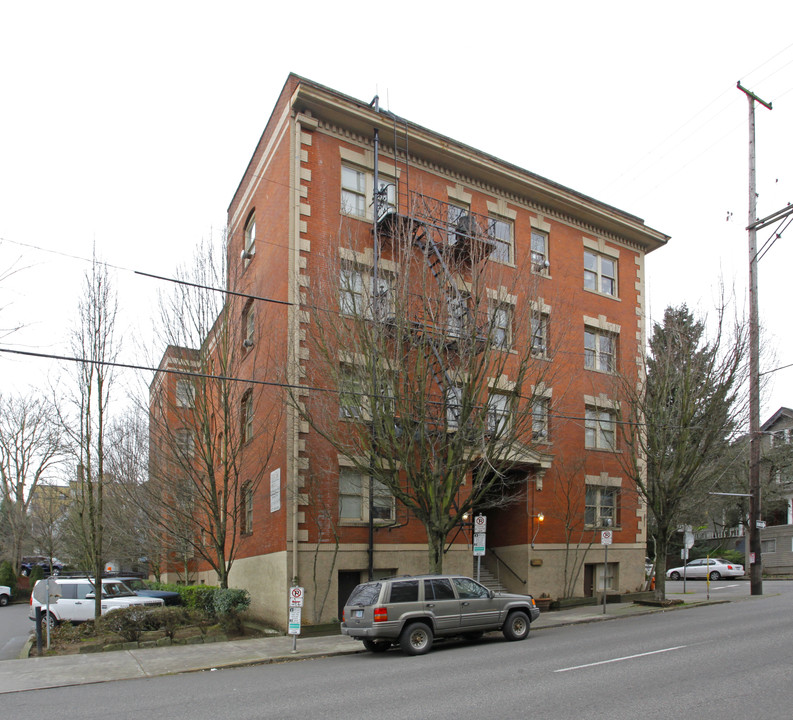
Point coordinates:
[[756, 566]]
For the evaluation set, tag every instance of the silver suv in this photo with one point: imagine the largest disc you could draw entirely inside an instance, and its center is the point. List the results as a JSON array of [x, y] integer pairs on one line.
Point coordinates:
[[412, 611]]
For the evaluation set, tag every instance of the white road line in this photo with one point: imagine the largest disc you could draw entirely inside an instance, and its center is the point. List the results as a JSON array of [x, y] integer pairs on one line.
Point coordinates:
[[620, 659], [724, 587]]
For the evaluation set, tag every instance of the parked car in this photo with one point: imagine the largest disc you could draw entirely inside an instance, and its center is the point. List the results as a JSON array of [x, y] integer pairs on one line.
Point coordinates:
[[713, 568], [140, 587], [412, 611], [29, 562], [5, 595], [76, 602]]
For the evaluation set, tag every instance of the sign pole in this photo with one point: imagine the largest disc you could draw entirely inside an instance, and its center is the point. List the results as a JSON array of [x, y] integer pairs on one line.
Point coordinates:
[[480, 537], [605, 541], [296, 596]]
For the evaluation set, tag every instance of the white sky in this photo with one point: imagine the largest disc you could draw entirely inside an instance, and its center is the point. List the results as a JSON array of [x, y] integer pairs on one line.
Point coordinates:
[[128, 126]]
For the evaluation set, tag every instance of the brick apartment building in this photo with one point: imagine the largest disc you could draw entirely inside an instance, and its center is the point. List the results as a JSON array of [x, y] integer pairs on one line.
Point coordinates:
[[562, 278]]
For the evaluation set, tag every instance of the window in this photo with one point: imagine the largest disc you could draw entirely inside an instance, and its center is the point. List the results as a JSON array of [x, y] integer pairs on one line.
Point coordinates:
[[247, 416], [249, 249], [356, 189], [768, 546], [456, 216], [351, 289], [357, 295], [468, 589], [599, 429], [457, 318], [600, 273], [539, 419], [501, 326], [353, 192], [354, 498], [247, 508], [500, 232], [600, 349], [539, 251], [438, 589], [498, 413], [350, 393], [185, 394], [601, 506], [404, 591], [248, 324], [539, 334], [185, 443], [454, 400]]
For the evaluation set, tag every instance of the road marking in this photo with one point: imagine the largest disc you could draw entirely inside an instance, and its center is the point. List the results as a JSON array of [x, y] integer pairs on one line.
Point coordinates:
[[620, 659], [724, 587]]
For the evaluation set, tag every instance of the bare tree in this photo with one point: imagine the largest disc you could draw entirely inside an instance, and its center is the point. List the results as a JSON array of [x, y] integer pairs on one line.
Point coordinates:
[[31, 445], [681, 419], [207, 415], [437, 362], [86, 418]]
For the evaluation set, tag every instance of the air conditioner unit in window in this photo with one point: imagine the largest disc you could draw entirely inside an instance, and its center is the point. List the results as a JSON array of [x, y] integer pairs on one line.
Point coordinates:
[[247, 343], [246, 255]]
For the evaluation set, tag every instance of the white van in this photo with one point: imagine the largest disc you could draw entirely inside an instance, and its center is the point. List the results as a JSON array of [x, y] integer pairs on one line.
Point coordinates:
[[76, 601]]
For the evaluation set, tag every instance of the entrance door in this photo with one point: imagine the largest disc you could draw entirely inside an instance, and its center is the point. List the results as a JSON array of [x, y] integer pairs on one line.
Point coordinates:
[[589, 580], [348, 580]]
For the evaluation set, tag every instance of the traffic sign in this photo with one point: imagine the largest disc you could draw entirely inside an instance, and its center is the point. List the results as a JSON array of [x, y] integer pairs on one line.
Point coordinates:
[[294, 621], [479, 544], [759, 524], [296, 597], [605, 537], [480, 524]]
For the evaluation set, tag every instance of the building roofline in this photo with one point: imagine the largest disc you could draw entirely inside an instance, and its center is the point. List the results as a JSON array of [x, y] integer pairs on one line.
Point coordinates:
[[333, 106]]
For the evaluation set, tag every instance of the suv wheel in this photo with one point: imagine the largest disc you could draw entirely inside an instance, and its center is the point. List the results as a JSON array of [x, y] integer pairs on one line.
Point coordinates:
[[3, 600], [376, 646], [49, 619], [416, 639], [517, 626]]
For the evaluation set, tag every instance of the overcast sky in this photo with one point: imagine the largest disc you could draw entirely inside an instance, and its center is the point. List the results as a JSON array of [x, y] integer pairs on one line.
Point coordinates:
[[127, 127]]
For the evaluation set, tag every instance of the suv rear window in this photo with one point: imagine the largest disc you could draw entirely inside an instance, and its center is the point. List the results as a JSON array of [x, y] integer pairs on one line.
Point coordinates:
[[404, 591], [365, 594]]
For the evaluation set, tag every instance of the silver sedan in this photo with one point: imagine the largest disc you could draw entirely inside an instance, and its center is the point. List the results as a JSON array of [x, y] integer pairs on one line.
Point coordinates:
[[712, 568]]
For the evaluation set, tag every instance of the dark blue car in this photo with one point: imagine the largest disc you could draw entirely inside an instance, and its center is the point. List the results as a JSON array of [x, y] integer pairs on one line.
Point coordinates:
[[141, 588]]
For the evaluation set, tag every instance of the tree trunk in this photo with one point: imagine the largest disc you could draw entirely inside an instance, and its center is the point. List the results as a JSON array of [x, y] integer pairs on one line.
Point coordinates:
[[435, 541]]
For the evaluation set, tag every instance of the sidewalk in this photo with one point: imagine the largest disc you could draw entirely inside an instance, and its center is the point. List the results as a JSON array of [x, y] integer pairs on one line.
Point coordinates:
[[61, 671]]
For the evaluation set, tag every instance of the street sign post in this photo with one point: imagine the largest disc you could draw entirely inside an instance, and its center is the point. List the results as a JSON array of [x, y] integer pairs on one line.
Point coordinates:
[[605, 541], [296, 597], [480, 541]]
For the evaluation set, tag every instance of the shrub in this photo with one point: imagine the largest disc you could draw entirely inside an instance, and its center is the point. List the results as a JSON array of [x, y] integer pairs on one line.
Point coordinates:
[[228, 604], [167, 619], [7, 575], [198, 597], [36, 574], [128, 622]]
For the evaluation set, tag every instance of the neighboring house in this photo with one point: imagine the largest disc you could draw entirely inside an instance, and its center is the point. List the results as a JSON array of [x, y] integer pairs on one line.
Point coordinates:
[[305, 203], [776, 450]]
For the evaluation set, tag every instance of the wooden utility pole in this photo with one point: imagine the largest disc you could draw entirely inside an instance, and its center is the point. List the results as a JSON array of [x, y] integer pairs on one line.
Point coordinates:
[[755, 559]]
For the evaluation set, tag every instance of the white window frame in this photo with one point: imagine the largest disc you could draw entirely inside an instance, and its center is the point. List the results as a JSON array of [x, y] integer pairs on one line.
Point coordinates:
[[453, 404], [501, 232], [249, 240], [454, 213], [595, 279], [598, 513], [539, 256], [185, 393], [540, 419], [499, 412], [538, 326], [246, 420], [350, 394], [596, 355], [357, 296], [600, 429], [354, 499], [501, 315], [357, 192], [185, 442], [247, 508]]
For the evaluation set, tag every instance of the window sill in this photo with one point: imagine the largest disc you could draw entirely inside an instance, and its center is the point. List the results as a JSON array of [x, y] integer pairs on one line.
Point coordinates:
[[348, 522], [600, 449], [602, 294]]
